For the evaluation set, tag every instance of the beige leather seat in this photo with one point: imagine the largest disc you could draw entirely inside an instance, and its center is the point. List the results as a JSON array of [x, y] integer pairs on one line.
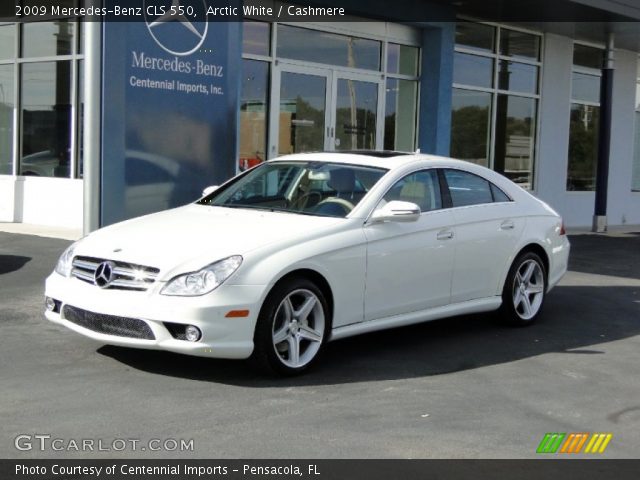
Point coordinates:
[[418, 193]]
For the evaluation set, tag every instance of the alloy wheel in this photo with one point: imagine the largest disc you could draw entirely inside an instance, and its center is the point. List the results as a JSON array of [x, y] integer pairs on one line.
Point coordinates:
[[528, 289], [298, 328]]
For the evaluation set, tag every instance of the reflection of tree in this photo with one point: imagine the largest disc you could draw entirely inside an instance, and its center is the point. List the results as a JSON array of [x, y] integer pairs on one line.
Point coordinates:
[[307, 136], [583, 147], [469, 132]]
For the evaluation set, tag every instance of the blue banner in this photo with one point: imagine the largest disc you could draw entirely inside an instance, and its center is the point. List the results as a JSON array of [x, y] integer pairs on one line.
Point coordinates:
[[170, 107]]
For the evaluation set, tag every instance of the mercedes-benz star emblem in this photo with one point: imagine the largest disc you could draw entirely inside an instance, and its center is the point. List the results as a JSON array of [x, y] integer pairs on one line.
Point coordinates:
[[181, 42], [104, 275]]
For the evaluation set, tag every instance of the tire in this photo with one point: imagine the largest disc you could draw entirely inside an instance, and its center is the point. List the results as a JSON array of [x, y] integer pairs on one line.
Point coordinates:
[[292, 328], [524, 290]]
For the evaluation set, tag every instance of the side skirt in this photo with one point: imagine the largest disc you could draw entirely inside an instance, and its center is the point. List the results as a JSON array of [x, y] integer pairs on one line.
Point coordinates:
[[462, 308]]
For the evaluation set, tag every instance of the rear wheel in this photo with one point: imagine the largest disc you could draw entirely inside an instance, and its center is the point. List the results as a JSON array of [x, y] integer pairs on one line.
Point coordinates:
[[524, 290], [291, 328]]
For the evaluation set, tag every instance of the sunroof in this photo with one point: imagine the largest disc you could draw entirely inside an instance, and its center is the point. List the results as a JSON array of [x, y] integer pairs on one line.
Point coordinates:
[[376, 153]]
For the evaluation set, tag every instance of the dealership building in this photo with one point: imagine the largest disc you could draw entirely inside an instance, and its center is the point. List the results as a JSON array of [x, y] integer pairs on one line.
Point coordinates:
[[104, 119]]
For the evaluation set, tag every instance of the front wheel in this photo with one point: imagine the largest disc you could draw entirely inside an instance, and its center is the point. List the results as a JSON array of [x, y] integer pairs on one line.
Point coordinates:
[[291, 328], [524, 290]]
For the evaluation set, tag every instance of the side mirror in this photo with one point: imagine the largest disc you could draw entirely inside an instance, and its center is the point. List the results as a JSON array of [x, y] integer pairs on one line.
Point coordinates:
[[209, 190], [396, 211]]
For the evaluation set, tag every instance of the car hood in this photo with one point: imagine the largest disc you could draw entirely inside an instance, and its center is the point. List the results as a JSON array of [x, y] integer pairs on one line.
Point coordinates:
[[188, 238]]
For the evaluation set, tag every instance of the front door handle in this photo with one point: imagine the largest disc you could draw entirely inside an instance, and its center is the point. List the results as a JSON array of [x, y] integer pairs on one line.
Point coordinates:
[[507, 225], [445, 234]]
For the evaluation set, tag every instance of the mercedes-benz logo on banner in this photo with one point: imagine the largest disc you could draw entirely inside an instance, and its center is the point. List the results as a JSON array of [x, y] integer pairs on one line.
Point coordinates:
[[179, 27], [104, 275]]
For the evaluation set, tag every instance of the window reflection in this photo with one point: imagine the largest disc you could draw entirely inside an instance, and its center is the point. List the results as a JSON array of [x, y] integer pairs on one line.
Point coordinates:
[[518, 77], [356, 109], [402, 59], [6, 118], [473, 70], [256, 38], [400, 115], [589, 57], [475, 36], [470, 122], [7, 41], [46, 119], [302, 113], [515, 134], [323, 47], [47, 39], [585, 87], [583, 147], [519, 44], [253, 113]]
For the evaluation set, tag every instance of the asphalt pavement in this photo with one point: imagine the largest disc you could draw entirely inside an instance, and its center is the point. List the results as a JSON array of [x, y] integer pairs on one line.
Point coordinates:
[[458, 388]]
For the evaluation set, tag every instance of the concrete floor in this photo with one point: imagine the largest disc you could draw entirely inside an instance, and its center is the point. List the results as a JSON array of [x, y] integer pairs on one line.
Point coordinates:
[[458, 388]]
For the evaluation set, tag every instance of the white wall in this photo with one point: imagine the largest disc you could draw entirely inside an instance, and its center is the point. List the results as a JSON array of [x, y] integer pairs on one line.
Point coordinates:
[[577, 207], [43, 201], [624, 205]]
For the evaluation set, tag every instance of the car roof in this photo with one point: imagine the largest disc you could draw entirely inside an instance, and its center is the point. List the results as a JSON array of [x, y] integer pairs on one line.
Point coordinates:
[[382, 159]]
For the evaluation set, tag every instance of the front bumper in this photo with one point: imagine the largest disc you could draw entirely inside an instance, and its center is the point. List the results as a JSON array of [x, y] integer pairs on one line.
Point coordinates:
[[222, 337]]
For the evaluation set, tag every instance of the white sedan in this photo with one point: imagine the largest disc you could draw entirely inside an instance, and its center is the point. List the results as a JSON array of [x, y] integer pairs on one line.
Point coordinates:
[[310, 248]]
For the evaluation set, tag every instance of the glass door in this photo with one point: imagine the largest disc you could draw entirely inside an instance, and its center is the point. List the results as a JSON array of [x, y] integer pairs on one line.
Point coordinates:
[[355, 114], [324, 109], [301, 119]]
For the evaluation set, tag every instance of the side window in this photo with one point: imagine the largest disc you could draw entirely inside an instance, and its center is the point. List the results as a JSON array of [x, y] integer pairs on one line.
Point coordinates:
[[421, 188], [499, 195], [467, 188]]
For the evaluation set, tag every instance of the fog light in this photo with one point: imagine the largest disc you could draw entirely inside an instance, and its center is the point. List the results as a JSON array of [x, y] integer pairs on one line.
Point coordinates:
[[50, 304], [192, 333]]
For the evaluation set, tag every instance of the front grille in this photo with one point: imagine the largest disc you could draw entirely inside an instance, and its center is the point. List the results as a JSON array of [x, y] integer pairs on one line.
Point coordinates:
[[108, 324], [126, 276]]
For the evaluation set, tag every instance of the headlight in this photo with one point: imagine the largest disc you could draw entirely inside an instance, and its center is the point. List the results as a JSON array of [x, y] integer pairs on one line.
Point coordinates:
[[202, 281], [63, 267]]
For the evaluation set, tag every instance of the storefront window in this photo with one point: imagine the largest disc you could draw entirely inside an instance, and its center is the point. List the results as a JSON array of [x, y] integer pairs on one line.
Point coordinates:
[[473, 70], [256, 37], [400, 115], [47, 39], [402, 59], [6, 118], [495, 96], [328, 48], [515, 135], [7, 42], [253, 113], [584, 118], [46, 119], [518, 77], [470, 122], [583, 147], [519, 45], [475, 36]]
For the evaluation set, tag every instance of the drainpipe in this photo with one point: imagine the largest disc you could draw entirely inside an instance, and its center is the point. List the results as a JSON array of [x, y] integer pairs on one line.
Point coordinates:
[[604, 140]]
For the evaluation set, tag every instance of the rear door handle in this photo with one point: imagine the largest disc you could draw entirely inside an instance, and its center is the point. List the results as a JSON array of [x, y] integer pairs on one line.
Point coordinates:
[[445, 235], [507, 225]]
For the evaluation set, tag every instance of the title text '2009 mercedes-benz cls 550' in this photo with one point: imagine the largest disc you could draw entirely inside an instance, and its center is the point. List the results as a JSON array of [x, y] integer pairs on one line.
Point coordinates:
[[308, 248]]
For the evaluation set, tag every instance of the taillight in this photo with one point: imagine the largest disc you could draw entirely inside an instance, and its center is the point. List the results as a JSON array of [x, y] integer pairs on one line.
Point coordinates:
[[562, 230]]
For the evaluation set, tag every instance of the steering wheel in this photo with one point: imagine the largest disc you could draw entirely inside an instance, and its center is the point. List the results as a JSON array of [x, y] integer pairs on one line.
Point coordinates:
[[303, 199], [347, 205]]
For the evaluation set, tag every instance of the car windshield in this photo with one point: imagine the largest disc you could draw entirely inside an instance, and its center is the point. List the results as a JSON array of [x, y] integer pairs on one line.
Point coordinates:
[[309, 188]]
